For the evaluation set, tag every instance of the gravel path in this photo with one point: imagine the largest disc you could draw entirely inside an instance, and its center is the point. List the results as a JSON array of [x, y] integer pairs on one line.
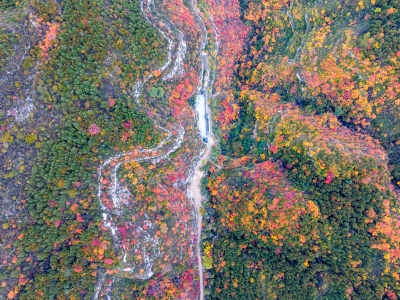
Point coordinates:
[[195, 189]]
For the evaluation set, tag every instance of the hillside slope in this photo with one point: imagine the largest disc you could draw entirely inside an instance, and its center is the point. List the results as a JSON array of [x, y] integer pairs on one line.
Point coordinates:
[[303, 198]]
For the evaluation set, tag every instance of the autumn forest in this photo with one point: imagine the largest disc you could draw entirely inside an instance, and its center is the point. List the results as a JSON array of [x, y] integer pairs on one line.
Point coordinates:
[[200, 149]]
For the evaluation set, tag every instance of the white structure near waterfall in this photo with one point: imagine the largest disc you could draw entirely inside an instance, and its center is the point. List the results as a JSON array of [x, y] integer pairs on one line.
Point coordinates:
[[202, 116], [202, 109]]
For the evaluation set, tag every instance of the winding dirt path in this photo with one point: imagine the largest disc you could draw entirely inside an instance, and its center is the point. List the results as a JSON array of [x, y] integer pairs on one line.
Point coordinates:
[[167, 146], [160, 153], [195, 191]]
